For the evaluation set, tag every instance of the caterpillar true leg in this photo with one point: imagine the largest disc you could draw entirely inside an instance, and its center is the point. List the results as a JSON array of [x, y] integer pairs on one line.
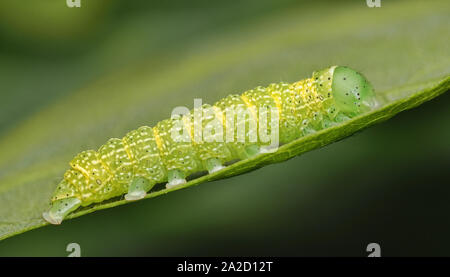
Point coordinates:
[[138, 189], [308, 130], [60, 209], [341, 118], [326, 123], [176, 177]]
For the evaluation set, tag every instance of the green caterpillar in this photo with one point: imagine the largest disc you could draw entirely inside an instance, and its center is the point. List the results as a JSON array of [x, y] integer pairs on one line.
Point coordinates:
[[148, 156]]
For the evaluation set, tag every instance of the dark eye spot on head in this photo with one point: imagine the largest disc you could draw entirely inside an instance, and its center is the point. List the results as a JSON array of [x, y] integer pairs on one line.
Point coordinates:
[[67, 194], [320, 84], [345, 78], [329, 78]]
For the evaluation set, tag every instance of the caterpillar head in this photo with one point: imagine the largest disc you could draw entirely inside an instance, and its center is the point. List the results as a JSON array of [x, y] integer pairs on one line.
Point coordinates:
[[353, 94]]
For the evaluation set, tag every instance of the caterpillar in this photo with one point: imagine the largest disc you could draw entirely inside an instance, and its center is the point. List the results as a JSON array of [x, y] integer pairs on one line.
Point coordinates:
[[147, 156]]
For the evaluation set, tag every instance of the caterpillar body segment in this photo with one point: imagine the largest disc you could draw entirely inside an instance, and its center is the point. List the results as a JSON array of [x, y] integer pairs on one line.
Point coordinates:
[[206, 141], [142, 146], [209, 136]]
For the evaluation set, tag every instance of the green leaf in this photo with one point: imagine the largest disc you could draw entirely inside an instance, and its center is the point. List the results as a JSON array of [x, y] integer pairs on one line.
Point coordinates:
[[405, 58]]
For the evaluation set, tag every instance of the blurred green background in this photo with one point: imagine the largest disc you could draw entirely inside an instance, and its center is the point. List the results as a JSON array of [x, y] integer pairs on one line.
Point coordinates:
[[72, 78]]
